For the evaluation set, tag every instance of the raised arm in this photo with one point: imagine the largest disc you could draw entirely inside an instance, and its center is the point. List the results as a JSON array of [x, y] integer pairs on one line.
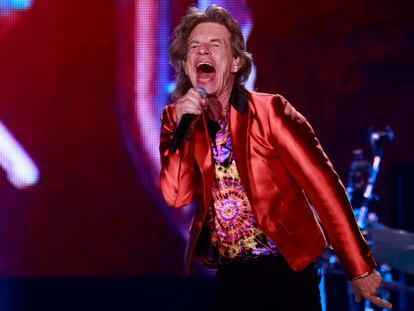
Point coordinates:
[[177, 168]]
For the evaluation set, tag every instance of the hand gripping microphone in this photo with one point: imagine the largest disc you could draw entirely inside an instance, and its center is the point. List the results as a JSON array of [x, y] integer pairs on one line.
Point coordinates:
[[185, 122]]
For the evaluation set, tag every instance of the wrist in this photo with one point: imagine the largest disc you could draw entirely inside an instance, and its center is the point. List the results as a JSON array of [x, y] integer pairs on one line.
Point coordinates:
[[361, 276]]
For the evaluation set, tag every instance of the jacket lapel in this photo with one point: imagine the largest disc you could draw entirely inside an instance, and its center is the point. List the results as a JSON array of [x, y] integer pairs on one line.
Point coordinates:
[[204, 156], [239, 129]]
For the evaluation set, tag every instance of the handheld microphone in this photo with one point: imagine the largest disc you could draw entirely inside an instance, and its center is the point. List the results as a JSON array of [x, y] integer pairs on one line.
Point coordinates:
[[185, 122]]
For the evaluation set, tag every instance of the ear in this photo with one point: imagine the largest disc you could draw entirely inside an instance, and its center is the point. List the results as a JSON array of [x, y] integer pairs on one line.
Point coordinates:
[[235, 66], [185, 69]]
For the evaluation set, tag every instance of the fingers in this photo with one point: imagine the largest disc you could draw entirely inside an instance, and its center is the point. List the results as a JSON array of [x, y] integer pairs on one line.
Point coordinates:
[[357, 295], [357, 292], [190, 103], [367, 287], [379, 302], [373, 298]]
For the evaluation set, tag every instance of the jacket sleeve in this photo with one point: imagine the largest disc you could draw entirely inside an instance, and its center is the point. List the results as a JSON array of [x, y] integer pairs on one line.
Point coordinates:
[[302, 154], [177, 169]]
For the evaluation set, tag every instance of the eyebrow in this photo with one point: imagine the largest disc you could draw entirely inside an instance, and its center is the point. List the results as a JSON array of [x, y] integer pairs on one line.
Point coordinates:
[[211, 40]]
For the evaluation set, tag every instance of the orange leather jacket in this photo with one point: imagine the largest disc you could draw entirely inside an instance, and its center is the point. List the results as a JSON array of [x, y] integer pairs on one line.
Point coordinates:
[[279, 159]]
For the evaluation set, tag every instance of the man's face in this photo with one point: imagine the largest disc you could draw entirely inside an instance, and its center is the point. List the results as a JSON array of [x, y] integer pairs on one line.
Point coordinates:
[[210, 62]]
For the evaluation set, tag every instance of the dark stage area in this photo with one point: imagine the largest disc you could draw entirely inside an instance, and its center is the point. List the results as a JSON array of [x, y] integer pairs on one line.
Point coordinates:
[[145, 293]]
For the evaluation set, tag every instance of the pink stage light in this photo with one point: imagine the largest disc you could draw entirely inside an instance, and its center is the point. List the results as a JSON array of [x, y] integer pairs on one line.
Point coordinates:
[[20, 169]]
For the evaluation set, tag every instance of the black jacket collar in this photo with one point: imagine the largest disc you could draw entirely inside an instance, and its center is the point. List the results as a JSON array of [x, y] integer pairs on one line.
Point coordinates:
[[238, 99]]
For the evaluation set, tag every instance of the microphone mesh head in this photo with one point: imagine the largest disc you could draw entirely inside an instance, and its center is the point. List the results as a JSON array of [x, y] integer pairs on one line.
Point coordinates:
[[202, 91]]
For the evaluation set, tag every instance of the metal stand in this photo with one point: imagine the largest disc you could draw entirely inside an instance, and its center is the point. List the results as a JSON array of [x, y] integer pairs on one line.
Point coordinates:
[[362, 178]]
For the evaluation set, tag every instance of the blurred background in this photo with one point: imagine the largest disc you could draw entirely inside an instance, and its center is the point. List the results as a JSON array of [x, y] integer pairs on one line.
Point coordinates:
[[82, 86]]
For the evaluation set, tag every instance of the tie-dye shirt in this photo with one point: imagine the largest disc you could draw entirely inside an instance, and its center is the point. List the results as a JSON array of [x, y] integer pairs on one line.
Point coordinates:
[[233, 232]]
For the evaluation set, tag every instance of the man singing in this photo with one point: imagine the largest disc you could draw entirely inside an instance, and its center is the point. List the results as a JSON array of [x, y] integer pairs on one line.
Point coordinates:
[[251, 162]]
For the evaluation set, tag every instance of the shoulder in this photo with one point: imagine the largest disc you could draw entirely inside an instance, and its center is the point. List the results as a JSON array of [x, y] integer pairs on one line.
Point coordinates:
[[262, 97], [261, 100], [275, 106], [267, 102]]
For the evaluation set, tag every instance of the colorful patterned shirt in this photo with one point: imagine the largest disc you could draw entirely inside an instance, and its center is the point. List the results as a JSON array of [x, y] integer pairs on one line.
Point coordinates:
[[233, 232]]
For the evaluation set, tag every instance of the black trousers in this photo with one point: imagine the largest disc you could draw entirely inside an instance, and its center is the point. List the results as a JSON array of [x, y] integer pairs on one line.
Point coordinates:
[[266, 283]]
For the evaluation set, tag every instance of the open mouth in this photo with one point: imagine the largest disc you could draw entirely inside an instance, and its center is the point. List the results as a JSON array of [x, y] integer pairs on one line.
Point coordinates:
[[205, 72]]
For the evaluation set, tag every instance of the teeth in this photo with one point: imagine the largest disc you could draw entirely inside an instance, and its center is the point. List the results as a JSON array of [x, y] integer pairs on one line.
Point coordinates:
[[205, 63]]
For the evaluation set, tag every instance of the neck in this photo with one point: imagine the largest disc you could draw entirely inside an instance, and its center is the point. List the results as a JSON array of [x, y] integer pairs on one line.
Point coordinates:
[[224, 97]]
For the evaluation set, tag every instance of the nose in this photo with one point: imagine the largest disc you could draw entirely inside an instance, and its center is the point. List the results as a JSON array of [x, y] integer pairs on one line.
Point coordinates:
[[203, 49]]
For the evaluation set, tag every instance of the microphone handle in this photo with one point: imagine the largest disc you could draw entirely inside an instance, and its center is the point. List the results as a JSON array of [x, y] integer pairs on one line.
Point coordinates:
[[180, 131]]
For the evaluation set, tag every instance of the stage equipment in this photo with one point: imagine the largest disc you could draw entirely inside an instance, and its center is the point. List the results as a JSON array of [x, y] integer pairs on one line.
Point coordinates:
[[392, 248]]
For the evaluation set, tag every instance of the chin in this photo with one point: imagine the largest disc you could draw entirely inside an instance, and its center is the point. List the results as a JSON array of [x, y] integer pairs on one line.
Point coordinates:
[[211, 90]]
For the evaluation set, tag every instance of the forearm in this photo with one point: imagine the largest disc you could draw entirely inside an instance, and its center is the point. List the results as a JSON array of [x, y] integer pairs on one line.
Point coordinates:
[[177, 168]]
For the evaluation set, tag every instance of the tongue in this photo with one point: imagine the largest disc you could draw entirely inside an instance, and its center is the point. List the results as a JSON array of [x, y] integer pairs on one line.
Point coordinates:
[[205, 76]]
